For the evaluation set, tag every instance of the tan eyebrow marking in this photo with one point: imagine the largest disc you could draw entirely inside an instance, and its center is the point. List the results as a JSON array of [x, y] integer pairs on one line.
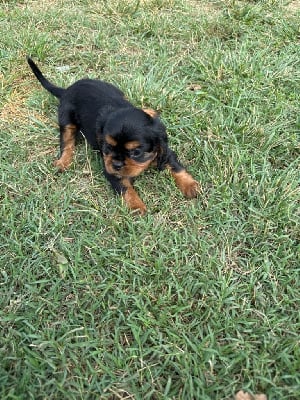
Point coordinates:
[[110, 140], [133, 144]]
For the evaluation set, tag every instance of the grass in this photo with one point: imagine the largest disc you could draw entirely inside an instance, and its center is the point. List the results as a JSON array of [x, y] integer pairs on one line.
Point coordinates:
[[198, 299]]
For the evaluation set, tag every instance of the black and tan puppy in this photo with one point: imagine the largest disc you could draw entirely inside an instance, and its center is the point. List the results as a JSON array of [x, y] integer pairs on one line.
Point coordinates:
[[129, 139]]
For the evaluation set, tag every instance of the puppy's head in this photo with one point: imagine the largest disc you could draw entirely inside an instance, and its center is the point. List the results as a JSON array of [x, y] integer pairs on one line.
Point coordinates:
[[131, 140]]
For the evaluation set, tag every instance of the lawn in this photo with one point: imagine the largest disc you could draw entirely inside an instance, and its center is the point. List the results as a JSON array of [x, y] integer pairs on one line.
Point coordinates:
[[197, 299]]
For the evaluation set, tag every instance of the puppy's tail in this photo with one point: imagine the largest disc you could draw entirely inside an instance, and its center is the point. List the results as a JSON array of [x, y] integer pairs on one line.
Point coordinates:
[[55, 90]]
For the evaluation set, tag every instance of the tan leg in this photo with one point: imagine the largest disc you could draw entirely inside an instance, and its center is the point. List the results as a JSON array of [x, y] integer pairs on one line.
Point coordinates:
[[131, 197], [67, 145]]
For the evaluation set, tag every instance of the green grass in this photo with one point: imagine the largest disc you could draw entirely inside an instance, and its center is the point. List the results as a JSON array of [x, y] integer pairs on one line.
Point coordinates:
[[197, 299]]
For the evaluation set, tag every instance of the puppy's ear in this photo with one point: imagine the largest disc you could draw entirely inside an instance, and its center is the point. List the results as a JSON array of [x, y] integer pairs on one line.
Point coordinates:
[[102, 117], [162, 155], [163, 151], [161, 139]]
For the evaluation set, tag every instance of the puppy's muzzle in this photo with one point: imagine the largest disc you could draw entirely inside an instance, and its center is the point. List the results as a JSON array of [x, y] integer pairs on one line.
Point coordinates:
[[117, 165]]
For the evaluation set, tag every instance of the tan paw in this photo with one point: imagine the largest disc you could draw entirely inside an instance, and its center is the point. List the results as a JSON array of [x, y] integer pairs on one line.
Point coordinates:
[[63, 163], [187, 184], [60, 165], [191, 189], [140, 209], [134, 202]]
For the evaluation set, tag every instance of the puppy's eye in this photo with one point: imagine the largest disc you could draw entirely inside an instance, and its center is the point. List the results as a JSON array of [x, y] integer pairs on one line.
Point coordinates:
[[107, 148], [136, 153]]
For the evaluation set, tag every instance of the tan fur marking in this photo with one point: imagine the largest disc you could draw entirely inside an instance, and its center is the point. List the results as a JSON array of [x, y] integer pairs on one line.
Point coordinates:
[[110, 140], [68, 139], [150, 112], [132, 199], [132, 145], [186, 183], [107, 158], [133, 168]]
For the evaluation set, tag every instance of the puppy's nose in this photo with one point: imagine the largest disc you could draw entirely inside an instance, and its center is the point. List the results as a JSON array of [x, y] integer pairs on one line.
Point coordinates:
[[117, 165]]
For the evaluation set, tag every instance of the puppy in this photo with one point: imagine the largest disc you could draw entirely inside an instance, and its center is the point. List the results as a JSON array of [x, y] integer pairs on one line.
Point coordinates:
[[129, 139]]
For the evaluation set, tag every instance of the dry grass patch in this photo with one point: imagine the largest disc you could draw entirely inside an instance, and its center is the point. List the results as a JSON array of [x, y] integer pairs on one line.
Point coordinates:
[[41, 6], [205, 8], [15, 109], [293, 7]]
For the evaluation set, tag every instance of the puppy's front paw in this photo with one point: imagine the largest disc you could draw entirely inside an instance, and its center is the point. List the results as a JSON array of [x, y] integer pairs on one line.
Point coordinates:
[[63, 163], [187, 184], [60, 165], [141, 209], [134, 202], [190, 189]]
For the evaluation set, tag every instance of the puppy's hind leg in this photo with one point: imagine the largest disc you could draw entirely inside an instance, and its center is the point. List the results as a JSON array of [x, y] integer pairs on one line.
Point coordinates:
[[67, 146], [68, 131]]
